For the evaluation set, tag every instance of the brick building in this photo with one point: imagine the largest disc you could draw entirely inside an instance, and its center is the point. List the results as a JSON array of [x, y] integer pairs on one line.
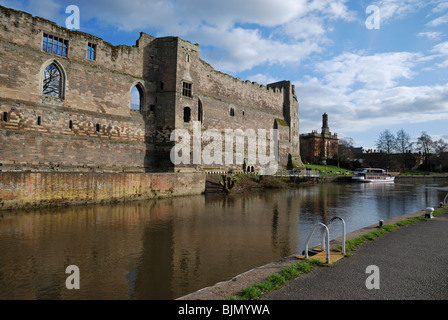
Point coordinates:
[[65, 101], [316, 147]]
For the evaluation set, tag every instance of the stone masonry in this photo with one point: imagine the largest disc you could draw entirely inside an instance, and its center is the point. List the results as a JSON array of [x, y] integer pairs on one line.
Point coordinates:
[[89, 126]]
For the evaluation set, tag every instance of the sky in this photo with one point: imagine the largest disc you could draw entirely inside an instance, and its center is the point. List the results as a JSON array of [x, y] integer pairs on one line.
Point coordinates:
[[370, 65]]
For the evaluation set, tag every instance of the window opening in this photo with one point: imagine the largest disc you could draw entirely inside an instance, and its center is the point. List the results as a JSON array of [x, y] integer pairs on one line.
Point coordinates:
[[186, 89], [91, 51], [52, 84], [200, 115], [136, 98], [54, 45], [187, 114]]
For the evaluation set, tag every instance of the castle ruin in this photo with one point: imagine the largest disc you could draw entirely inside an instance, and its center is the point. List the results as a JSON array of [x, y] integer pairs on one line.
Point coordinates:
[[65, 102]]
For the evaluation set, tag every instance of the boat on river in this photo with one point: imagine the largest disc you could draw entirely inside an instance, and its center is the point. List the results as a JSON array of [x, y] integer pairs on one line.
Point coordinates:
[[372, 175]]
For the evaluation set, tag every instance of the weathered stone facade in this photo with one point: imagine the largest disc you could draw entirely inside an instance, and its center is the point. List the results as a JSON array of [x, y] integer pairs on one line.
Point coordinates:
[[89, 126], [317, 147], [42, 189]]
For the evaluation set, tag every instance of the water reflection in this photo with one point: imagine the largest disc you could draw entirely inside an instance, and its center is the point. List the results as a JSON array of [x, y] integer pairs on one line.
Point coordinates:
[[164, 249]]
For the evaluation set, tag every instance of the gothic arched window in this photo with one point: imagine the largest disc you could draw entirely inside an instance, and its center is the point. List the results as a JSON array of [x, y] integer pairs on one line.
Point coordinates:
[[53, 81]]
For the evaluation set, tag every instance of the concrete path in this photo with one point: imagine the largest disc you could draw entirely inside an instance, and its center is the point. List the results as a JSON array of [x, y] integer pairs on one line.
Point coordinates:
[[412, 263]]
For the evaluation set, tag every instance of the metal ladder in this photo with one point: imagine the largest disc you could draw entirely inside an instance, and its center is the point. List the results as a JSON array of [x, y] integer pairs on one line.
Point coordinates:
[[326, 238]]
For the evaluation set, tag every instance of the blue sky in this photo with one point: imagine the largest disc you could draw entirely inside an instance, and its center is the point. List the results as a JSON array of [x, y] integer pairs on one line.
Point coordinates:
[[366, 79]]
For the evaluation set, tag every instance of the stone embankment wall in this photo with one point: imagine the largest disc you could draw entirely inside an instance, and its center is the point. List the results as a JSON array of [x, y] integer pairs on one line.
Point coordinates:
[[31, 190]]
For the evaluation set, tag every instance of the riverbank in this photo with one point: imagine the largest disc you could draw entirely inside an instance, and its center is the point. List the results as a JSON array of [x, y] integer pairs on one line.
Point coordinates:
[[249, 182], [235, 286], [27, 190], [252, 182], [422, 177]]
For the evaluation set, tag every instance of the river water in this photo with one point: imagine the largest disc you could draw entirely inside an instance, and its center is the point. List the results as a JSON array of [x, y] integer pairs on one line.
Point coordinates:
[[164, 249]]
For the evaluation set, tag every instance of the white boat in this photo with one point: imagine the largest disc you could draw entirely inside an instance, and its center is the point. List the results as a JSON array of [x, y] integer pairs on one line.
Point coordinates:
[[372, 175]]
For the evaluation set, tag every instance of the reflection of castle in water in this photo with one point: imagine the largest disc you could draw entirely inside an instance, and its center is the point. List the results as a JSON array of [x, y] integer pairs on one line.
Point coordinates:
[[167, 248], [146, 250]]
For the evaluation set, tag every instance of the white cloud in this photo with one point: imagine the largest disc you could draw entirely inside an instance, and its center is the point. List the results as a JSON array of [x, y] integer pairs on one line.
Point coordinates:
[[438, 21], [305, 28], [363, 110], [441, 50], [377, 71], [237, 35], [262, 78], [243, 49], [398, 9], [362, 92], [433, 35], [441, 6]]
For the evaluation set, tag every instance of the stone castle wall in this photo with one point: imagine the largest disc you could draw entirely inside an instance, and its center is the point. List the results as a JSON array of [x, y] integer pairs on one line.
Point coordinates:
[[91, 125], [42, 189]]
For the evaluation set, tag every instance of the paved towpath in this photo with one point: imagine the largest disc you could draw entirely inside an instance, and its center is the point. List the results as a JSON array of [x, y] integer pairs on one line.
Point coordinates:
[[412, 263]]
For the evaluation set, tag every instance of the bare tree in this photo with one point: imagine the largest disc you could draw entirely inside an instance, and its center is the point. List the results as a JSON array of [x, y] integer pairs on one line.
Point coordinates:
[[403, 144], [440, 147], [387, 143], [344, 151], [426, 146]]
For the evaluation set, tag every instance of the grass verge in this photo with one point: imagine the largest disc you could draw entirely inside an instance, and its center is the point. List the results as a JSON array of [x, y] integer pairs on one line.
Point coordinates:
[[329, 170], [352, 244], [276, 280]]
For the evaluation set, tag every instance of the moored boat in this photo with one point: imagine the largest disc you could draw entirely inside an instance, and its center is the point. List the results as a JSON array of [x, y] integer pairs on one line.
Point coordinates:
[[372, 175]]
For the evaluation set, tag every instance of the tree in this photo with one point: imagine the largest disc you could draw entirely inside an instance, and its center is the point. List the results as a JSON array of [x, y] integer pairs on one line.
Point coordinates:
[[440, 147], [344, 151], [403, 144], [426, 146], [387, 143]]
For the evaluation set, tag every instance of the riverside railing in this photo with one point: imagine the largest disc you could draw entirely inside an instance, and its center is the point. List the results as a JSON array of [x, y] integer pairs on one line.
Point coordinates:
[[297, 173]]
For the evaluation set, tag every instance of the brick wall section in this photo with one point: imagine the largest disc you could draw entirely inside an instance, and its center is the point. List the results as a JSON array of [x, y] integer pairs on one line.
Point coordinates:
[[28, 190]]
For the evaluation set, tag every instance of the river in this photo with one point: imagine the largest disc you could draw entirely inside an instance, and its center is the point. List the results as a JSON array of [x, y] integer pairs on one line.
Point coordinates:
[[167, 248]]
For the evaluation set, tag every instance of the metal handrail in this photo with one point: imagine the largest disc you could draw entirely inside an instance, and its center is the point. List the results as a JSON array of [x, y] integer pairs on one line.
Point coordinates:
[[343, 231], [326, 242], [323, 242]]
